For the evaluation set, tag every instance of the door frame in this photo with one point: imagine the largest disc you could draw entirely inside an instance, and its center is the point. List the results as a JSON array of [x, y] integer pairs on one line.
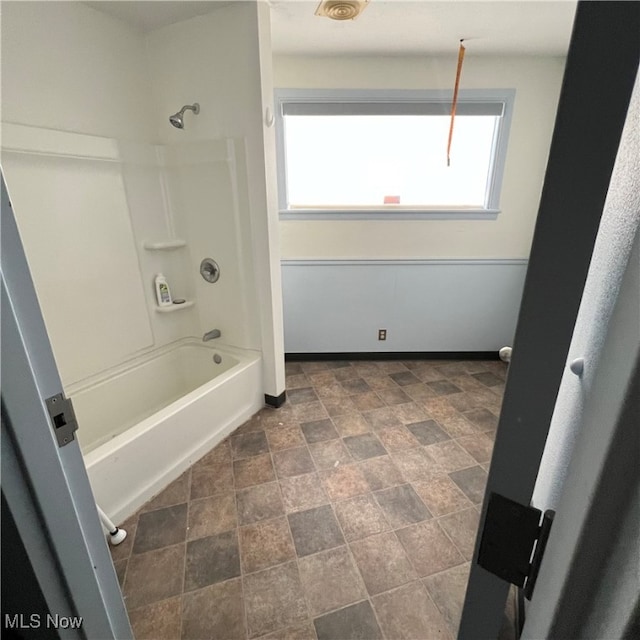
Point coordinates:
[[600, 71], [46, 486]]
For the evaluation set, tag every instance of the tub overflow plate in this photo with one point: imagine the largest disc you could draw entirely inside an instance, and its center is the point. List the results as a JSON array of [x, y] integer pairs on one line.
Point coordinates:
[[210, 270]]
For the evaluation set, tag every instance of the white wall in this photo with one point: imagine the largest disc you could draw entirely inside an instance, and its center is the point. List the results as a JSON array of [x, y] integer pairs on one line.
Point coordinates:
[[66, 66], [619, 226], [537, 82]]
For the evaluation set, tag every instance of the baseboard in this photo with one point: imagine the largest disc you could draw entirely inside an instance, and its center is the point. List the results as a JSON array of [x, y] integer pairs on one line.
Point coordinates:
[[393, 355], [275, 401]]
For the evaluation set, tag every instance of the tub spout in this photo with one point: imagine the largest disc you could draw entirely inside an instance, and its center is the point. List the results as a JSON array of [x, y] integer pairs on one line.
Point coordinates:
[[211, 335]]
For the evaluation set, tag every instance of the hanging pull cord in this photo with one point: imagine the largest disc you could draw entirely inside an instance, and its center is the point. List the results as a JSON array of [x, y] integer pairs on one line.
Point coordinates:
[[455, 100]]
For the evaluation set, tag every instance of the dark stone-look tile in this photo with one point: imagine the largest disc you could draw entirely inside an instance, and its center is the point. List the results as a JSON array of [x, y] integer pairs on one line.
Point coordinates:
[[360, 517], [428, 548], [383, 562], [315, 530], [355, 386], [488, 379], [154, 576], [157, 620], [449, 456], [357, 622], [293, 462], [463, 402], [427, 373], [176, 493], [250, 444], [482, 418], [211, 559], [442, 496], [381, 473], [302, 395], [397, 438], [161, 528], [344, 482], [402, 505], [408, 613], [447, 589], [319, 430], [351, 424], [255, 470], [292, 368], [472, 482], [330, 454], [302, 492], [443, 387], [479, 446], [259, 503], [338, 364], [428, 432], [220, 454], [364, 446], [393, 396], [462, 528], [210, 480], [212, 515], [346, 373], [331, 391], [216, 611], [265, 544], [404, 378], [286, 436], [330, 580], [273, 599]]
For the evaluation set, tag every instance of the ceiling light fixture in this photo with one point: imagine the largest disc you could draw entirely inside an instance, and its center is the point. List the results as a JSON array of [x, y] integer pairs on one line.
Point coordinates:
[[341, 9]]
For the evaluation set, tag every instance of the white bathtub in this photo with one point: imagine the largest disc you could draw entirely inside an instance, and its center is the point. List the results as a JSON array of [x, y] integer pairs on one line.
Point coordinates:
[[142, 425]]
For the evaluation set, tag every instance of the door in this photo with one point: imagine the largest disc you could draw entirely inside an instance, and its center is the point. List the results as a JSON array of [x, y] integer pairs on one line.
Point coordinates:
[[601, 67], [44, 485]]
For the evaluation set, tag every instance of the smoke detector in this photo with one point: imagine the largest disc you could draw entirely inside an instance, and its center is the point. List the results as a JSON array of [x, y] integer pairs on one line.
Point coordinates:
[[341, 9]]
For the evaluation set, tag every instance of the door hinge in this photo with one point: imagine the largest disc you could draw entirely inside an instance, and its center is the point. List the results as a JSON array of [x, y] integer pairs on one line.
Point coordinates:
[[63, 418], [511, 531]]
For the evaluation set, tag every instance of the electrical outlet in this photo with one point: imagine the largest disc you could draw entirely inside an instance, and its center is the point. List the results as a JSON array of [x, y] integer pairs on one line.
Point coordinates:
[[382, 334]]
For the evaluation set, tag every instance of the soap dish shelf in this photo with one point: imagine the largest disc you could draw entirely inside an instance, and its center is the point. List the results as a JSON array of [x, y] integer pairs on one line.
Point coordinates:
[[165, 245], [175, 307]]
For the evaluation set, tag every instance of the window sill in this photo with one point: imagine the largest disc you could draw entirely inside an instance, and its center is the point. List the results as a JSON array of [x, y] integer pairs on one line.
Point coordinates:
[[398, 214]]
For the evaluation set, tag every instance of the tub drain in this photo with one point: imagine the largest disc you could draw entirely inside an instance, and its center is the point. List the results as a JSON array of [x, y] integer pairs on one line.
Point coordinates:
[[217, 358]]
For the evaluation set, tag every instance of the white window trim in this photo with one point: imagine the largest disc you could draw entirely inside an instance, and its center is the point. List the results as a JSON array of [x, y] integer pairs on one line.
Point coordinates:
[[318, 96]]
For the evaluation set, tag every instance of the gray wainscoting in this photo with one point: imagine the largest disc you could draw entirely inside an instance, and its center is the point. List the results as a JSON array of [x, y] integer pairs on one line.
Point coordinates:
[[425, 305]]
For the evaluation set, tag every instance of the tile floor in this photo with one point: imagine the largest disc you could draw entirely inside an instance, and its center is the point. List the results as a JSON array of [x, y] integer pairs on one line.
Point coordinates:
[[350, 512]]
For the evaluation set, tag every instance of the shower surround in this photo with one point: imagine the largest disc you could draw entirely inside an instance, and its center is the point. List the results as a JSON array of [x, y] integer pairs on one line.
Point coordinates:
[[107, 194]]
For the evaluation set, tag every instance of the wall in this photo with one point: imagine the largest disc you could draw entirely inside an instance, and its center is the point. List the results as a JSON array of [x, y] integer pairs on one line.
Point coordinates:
[[537, 83], [83, 217], [618, 228], [434, 285], [217, 60], [205, 184]]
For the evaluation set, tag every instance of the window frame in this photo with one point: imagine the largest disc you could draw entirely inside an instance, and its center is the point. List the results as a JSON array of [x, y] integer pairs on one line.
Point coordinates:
[[442, 98]]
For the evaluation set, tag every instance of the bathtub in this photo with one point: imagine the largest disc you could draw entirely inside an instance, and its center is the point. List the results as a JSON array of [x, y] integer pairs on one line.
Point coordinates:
[[143, 424]]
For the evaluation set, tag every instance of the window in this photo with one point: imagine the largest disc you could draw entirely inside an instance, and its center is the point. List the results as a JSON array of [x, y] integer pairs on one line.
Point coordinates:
[[373, 154]]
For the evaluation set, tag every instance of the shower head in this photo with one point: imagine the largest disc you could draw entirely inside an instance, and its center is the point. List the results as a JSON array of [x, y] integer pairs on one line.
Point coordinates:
[[177, 119]]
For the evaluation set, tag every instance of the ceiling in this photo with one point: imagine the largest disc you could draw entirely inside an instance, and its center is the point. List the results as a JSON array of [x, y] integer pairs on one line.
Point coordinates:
[[387, 27]]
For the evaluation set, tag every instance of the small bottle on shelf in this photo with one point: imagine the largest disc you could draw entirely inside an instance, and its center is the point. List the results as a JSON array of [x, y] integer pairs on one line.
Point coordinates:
[[163, 294]]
